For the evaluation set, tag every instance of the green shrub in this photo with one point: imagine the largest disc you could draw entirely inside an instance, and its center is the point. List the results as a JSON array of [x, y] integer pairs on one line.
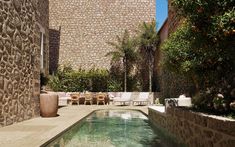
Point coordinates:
[[99, 79], [114, 86], [203, 100], [66, 79], [55, 83]]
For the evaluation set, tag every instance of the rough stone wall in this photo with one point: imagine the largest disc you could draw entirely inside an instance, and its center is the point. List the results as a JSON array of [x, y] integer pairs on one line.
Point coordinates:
[[85, 26], [20, 58], [195, 129]]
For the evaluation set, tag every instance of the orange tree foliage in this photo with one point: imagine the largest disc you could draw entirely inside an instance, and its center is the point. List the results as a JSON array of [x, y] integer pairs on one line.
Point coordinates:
[[203, 49]]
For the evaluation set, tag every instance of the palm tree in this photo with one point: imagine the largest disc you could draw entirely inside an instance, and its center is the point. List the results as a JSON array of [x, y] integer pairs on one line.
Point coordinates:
[[125, 51], [148, 42]]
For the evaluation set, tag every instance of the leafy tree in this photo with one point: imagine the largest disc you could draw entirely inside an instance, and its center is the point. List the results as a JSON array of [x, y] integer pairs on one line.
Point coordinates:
[[125, 51], [179, 56], [148, 42], [203, 48]]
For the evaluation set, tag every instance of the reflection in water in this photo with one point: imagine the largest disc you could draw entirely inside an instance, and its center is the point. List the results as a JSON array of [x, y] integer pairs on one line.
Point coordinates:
[[112, 128]]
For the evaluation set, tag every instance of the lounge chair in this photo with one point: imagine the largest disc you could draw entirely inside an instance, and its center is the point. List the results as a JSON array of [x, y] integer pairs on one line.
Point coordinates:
[[112, 95], [142, 99], [63, 98], [181, 101], [125, 99]]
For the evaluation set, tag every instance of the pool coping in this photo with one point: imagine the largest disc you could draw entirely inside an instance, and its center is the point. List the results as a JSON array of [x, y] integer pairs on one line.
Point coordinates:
[[64, 131], [39, 131]]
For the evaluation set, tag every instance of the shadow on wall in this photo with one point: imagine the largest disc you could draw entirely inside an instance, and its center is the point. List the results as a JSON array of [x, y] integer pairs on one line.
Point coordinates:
[[156, 71], [54, 46]]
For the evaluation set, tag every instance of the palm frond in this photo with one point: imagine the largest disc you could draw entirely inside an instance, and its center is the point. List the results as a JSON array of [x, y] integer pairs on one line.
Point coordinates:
[[115, 45], [115, 55]]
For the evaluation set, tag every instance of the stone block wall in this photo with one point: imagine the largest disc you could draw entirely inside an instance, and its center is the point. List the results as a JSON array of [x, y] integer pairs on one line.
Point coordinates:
[[195, 129], [20, 58], [84, 28]]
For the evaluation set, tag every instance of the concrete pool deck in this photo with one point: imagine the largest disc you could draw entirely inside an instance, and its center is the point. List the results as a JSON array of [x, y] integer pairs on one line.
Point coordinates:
[[37, 131]]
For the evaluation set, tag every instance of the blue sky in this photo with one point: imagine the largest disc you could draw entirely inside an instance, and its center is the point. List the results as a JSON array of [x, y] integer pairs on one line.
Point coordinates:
[[161, 11]]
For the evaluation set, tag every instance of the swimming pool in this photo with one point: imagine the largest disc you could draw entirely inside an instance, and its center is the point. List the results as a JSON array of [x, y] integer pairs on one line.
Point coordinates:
[[113, 128]]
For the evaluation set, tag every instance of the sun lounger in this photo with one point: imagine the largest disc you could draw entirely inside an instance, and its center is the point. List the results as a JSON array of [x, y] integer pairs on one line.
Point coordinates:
[[63, 98], [181, 101], [125, 99], [142, 99]]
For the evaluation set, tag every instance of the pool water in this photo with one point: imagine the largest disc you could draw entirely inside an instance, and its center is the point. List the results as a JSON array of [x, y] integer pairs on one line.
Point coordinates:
[[113, 128]]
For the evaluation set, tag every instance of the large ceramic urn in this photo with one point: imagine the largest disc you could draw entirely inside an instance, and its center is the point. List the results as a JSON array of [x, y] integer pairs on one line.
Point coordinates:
[[48, 105]]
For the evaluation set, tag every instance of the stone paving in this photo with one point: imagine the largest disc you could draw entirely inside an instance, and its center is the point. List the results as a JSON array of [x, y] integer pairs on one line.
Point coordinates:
[[37, 131]]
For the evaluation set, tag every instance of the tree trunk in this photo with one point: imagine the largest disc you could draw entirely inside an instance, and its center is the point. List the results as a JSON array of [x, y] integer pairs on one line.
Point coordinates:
[[150, 70], [195, 84], [150, 79], [125, 74]]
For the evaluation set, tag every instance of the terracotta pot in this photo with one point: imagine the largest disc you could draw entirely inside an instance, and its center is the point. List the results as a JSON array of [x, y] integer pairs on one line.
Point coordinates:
[[48, 105]]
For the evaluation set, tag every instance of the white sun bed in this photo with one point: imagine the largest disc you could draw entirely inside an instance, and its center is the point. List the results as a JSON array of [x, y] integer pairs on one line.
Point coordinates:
[[142, 99], [125, 99]]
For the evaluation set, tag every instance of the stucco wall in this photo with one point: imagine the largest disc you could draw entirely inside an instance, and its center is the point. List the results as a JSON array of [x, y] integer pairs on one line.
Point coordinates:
[[20, 58], [81, 28], [195, 129]]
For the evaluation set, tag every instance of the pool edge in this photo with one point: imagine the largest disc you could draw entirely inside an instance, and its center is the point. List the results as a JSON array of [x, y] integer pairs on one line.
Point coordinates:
[[92, 111]]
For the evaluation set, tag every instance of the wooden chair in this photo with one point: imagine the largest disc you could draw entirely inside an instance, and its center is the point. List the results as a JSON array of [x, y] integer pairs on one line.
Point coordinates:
[[100, 97], [88, 98], [74, 98]]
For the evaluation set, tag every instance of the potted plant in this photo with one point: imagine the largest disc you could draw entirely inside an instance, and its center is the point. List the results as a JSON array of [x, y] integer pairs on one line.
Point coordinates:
[[219, 103]]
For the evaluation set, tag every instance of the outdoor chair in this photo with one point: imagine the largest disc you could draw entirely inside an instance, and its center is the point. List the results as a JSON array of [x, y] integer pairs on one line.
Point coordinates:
[[142, 99], [88, 98], [181, 101], [74, 98], [100, 97], [63, 98], [112, 95], [125, 99]]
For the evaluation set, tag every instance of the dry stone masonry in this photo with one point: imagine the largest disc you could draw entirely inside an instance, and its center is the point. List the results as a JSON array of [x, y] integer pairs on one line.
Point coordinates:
[[196, 129], [81, 28], [20, 58]]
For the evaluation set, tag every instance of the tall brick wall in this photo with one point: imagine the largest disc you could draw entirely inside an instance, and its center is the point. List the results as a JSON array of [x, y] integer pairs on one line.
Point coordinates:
[[20, 58], [81, 28]]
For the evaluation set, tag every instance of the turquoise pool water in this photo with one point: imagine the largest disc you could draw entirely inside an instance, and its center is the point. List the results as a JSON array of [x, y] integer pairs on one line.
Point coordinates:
[[113, 128]]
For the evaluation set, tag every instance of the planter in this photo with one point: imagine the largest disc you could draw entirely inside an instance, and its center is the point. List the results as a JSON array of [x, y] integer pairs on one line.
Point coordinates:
[[48, 105]]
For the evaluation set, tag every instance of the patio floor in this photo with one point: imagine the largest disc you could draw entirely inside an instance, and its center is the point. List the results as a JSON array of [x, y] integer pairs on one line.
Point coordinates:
[[36, 131]]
